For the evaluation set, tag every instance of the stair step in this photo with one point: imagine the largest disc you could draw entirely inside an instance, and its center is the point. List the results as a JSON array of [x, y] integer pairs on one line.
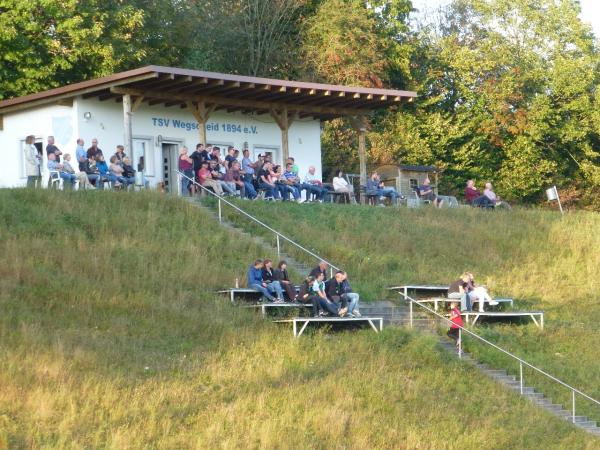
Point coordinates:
[[587, 424]]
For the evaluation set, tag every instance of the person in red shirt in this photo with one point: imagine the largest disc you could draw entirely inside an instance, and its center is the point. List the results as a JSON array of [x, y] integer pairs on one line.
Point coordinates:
[[457, 322], [206, 180], [471, 192]]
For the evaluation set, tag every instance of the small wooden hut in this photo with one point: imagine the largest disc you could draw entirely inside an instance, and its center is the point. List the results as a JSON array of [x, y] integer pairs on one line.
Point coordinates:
[[406, 177]]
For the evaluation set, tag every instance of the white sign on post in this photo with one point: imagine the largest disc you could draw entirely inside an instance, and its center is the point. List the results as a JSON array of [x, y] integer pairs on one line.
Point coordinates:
[[552, 194]]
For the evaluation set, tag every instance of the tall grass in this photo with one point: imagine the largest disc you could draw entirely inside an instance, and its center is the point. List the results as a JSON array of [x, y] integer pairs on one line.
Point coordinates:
[[111, 337], [540, 258]]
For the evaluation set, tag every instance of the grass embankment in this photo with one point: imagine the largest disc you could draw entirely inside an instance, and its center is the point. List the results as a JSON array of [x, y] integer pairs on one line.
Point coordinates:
[[111, 338], [543, 260]]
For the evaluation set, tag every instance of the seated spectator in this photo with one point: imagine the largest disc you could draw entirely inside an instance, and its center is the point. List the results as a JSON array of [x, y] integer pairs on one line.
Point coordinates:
[[269, 278], [92, 170], [54, 166], [313, 185], [205, 179], [425, 192], [318, 290], [492, 197], [116, 172], [102, 168], [234, 178], [305, 296], [335, 290], [352, 298], [120, 155], [186, 167], [471, 192], [460, 290], [215, 155], [218, 175], [290, 179], [341, 185], [256, 282], [281, 274], [376, 187], [479, 294], [295, 169], [266, 183], [84, 182], [128, 171], [321, 268]]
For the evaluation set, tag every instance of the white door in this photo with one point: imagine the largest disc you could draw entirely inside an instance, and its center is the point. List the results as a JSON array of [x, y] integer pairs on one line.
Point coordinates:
[[274, 152], [169, 167]]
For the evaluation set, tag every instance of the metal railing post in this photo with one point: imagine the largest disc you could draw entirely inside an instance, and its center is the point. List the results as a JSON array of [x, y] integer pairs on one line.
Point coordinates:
[[410, 315], [460, 343], [573, 393], [521, 377], [220, 218], [278, 247]]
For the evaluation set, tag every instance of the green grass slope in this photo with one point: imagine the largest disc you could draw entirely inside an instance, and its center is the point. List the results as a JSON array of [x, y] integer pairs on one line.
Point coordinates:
[[540, 258], [111, 337]]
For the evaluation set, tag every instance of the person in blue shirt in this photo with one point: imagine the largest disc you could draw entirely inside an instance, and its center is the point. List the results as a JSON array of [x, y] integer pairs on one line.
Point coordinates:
[[255, 281], [376, 187], [292, 182], [53, 165], [81, 154]]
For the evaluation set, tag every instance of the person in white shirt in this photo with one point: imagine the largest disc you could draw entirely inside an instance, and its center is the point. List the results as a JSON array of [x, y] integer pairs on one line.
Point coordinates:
[[82, 177], [312, 184], [32, 162], [491, 195], [341, 185]]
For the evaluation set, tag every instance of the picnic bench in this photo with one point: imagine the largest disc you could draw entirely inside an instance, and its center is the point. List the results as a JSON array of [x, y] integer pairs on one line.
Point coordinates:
[[533, 314], [304, 321]]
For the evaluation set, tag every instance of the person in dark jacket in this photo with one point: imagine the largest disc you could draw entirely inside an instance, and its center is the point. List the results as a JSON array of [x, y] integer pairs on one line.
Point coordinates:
[[321, 268], [335, 292], [305, 296], [268, 277], [281, 274]]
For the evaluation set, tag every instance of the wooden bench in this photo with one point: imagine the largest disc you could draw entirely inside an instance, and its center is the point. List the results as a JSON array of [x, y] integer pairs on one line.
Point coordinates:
[[304, 321], [264, 306], [533, 314]]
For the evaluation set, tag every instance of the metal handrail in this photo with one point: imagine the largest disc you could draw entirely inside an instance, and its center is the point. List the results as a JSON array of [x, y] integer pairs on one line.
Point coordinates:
[[277, 233], [521, 361]]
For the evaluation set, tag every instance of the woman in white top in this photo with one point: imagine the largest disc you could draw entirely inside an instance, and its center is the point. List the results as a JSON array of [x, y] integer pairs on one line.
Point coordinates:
[[341, 185], [32, 162]]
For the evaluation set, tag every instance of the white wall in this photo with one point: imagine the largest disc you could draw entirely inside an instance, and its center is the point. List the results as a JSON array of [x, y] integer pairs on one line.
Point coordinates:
[[172, 123], [57, 121]]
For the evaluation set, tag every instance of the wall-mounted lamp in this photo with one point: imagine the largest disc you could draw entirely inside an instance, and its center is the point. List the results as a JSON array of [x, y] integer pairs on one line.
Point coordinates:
[[87, 116], [159, 140], [245, 145]]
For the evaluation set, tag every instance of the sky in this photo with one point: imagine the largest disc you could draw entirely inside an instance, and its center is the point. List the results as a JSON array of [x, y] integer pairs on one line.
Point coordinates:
[[590, 10]]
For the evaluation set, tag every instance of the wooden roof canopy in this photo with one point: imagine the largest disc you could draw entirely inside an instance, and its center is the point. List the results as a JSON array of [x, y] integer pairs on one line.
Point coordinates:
[[186, 88]]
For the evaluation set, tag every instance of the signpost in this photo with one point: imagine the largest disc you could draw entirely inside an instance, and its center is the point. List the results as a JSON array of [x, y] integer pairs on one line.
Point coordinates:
[[552, 194]]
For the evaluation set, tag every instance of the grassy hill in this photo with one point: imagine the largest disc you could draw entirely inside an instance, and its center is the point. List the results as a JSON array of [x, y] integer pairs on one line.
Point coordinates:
[[111, 337], [540, 258]]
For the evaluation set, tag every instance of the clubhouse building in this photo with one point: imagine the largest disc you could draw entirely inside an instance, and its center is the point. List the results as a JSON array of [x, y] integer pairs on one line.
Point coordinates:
[[153, 111]]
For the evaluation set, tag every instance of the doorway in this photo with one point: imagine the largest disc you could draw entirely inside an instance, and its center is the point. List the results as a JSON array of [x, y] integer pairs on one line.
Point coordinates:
[[169, 167], [271, 151]]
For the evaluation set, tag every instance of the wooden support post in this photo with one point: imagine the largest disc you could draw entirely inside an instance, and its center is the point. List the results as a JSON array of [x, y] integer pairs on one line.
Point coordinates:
[[201, 113], [284, 121], [1, 122], [127, 114], [360, 126]]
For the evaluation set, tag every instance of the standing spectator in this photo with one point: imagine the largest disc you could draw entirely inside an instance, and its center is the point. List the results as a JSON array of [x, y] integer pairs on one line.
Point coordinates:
[[471, 192], [425, 192], [81, 154], [53, 165], [305, 296], [314, 185], [256, 282], [230, 158], [248, 167], [82, 177], [281, 274], [341, 185], [265, 182], [32, 162], [52, 149], [457, 323], [120, 154], [215, 154], [94, 150], [321, 268], [460, 290], [199, 155], [205, 179], [186, 166]]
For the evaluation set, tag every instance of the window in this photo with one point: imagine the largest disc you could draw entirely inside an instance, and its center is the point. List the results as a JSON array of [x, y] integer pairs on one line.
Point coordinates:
[[142, 153], [413, 183], [273, 152]]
